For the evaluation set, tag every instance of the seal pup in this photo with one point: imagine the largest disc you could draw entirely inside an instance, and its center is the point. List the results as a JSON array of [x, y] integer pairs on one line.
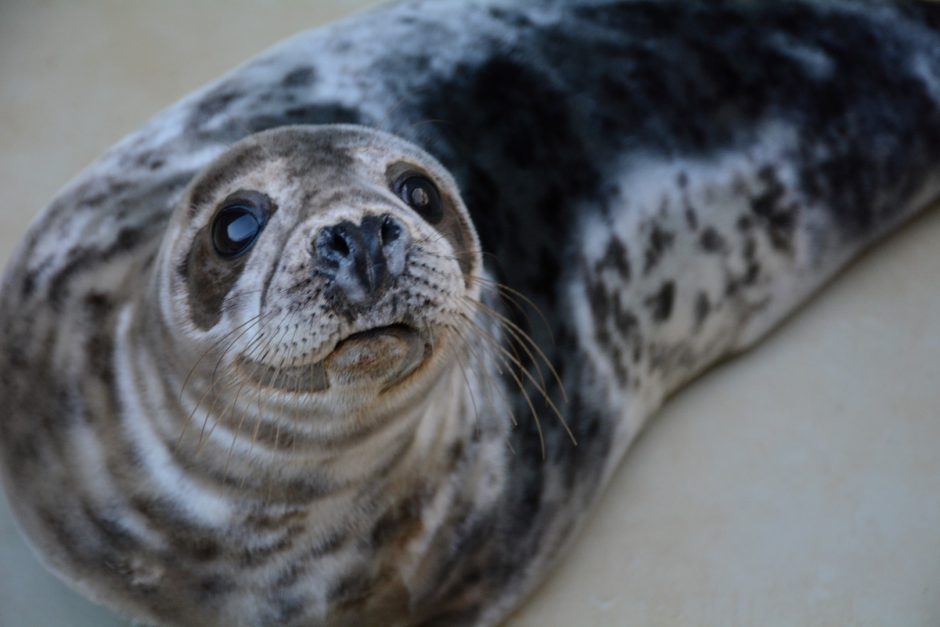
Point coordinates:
[[643, 256]]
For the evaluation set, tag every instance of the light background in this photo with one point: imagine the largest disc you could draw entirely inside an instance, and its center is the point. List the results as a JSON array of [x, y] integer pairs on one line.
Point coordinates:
[[799, 485]]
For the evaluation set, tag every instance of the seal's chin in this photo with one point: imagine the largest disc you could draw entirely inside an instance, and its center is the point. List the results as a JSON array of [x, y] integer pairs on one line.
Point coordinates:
[[381, 357]]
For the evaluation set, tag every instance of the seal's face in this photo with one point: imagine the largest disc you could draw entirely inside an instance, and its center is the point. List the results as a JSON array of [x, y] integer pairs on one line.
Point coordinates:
[[332, 263]]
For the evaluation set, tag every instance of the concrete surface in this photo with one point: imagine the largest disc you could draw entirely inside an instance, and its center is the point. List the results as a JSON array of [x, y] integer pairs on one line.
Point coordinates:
[[798, 485]]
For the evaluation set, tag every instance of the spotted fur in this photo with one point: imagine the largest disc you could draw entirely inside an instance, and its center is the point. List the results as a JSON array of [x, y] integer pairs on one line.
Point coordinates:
[[664, 181]]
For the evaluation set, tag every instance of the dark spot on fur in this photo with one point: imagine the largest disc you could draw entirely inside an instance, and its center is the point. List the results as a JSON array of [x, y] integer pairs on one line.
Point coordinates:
[[616, 328], [252, 556], [711, 241], [328, 544], [659, 241], [352, 587], [149, 159], [204, 549], [100, 349], [289, 576], [297, 567], [616, 258], [455, 454], [751, 274], [750, 249], [28, 286], [660, 304], [214, 103], [599, 302], [625, 322], [212, 586], [778, 217], [299, 77], [703, 307], [97, 191], [99, 304], [111, 533], [618, 359], [396, 521], [752, 270]]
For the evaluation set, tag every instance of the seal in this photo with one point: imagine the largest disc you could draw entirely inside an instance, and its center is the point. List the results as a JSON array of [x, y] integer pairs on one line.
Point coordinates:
[[263, 376]]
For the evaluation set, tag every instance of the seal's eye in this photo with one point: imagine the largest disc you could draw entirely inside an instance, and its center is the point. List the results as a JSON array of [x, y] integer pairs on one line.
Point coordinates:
[[235, 229], [420, 193]]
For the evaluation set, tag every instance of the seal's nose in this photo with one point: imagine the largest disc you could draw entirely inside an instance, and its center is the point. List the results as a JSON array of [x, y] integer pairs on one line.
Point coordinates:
[[361, 259]]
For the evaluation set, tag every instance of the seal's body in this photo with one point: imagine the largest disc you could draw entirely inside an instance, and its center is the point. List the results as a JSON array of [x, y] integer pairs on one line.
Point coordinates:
[[258, 372]]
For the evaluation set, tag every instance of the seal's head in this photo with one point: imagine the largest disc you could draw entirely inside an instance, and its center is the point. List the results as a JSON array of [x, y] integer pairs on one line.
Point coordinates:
[[324, 268]]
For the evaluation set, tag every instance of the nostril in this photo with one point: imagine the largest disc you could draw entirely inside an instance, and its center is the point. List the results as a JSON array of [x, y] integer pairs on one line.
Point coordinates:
[[391, 230], [334, 243], [394, 240], [338, 244]]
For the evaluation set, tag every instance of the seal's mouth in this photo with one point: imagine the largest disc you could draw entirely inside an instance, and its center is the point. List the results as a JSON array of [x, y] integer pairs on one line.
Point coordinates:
[[399, 330], [384, 355]]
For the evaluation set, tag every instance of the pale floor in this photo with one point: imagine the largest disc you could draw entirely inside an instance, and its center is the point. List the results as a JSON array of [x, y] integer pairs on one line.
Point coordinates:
[[798, 485]]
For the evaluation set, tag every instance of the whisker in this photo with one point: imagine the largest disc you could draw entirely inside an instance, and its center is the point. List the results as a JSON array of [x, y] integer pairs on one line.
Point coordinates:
[[525, 340], [510, 294], [503, 353], [463, 372], [258, 340], [509, 370], [214, 345]]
